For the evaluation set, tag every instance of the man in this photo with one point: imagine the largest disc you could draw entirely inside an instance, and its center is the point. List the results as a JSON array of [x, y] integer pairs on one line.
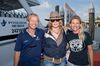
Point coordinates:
[[28, 44]]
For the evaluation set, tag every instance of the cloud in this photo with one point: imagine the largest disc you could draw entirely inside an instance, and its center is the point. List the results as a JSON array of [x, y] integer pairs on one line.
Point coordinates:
[[44, 5]]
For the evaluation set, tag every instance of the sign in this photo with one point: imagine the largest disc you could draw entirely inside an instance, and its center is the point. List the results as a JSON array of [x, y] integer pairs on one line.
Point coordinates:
[[11, 26]]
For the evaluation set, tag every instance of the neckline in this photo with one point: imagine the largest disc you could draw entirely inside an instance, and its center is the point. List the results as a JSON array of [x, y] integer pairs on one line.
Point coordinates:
[[30, 35]]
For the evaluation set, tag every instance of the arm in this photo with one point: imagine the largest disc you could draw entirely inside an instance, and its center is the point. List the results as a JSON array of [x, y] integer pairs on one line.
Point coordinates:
[[16, 58], [90, 53], [17, 49]]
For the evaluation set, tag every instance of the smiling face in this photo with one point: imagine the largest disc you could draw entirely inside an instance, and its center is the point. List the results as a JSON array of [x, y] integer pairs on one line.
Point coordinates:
[[75, 25], [33, 22], [55, 23]]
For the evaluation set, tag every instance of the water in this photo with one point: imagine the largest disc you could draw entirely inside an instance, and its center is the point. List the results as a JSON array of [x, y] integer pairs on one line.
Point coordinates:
[[97, 34], [6, 54]]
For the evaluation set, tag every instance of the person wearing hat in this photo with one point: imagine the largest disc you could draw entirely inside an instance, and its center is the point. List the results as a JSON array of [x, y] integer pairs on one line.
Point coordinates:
[[54, 46]]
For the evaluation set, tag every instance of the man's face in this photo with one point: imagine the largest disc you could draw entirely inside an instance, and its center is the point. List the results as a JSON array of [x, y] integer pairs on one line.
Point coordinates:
[[33, 22]]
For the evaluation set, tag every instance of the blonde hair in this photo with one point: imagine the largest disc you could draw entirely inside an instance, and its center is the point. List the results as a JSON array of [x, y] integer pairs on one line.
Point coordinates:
[[50, 25], [32, 14], [81, 33]]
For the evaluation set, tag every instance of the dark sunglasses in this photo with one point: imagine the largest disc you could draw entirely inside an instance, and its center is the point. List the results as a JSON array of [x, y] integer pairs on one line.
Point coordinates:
[[55, 20]]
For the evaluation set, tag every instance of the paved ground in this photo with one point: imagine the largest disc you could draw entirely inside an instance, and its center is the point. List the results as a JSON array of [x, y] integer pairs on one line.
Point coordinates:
[[7, 51], [97, 58]]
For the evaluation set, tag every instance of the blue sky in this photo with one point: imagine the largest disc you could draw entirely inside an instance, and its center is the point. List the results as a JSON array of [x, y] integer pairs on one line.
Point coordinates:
[[79, 6]]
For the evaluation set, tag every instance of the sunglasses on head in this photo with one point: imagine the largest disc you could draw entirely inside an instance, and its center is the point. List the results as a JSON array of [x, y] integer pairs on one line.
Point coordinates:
[[55, 20]]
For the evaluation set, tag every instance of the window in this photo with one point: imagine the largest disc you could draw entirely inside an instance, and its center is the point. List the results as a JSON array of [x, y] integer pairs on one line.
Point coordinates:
[[98, 25]]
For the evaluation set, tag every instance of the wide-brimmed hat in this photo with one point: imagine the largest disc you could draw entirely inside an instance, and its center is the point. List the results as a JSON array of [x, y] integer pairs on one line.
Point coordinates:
[[54, 15]]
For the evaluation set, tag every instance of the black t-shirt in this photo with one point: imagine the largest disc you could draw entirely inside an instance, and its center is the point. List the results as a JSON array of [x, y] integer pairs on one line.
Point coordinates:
[[78, 48]]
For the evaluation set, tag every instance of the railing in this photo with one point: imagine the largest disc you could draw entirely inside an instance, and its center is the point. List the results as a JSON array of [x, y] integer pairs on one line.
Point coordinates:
[[12, 14]]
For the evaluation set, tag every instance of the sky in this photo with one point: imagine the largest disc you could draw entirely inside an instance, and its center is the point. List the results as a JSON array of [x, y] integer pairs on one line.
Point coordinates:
[[81, 8]]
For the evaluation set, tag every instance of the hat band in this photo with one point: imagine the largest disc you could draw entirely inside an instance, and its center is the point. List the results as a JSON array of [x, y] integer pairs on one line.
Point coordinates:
[[55, 17]]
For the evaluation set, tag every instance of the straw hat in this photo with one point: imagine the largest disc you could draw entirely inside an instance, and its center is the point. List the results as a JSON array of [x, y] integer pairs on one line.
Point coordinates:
[[54, 15]]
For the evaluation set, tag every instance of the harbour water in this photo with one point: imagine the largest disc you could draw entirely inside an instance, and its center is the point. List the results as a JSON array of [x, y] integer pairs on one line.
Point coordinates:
[[6, 54], [97, 34]]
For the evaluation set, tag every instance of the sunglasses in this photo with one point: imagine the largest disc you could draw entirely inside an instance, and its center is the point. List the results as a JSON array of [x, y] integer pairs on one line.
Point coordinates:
[[55, 20]]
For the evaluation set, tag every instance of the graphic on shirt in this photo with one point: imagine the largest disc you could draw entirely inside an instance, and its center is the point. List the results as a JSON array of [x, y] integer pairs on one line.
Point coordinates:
[[37, 38], [76, 45]]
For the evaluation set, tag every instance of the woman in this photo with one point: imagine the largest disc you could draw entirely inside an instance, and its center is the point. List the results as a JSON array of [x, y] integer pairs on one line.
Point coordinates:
[[54, 42], [80, 44], [28, 44]]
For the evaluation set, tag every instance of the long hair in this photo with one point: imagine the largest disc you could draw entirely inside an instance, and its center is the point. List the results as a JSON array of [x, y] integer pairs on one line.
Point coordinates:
[[81, 30], [50, 25]]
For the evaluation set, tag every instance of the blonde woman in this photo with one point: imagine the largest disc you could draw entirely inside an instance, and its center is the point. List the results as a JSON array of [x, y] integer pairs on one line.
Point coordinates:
[[80, 44], [55, 42], [28, 44]]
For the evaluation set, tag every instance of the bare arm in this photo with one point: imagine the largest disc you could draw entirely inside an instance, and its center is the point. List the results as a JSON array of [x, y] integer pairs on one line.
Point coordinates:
[[90, 53], [16, 58]]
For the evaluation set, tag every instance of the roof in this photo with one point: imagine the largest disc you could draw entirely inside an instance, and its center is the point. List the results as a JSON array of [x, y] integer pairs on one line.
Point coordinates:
[[14, 4], [98, 21]]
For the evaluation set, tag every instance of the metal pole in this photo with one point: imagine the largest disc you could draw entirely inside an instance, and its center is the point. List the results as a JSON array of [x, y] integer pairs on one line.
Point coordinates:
[[62, 15], [91, 20], [25, 6], [57, 8]]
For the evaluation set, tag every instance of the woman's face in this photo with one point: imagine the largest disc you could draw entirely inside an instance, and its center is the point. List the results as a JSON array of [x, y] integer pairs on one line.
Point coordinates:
[[55, 23], [75, 25], [33, 22]]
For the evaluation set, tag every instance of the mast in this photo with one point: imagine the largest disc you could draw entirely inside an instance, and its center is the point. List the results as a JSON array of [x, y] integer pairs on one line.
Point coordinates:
[[91, 19]]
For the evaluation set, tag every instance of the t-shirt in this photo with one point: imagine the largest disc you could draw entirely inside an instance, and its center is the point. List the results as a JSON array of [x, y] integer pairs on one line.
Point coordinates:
[[78, 48], [30, 48]]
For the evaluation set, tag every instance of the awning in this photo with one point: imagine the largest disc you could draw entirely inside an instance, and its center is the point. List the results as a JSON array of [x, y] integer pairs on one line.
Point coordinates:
[[14, 4]]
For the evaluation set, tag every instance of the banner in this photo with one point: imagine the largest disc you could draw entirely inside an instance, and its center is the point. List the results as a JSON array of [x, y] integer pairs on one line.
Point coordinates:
[[11, 26]]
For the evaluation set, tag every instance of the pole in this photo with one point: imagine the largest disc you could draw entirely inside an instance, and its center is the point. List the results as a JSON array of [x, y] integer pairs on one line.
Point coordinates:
[[57, 8], [25, 6], [91, 20]]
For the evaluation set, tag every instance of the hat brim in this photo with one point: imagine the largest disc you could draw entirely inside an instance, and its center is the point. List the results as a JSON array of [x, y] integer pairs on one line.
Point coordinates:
[[53, 19]]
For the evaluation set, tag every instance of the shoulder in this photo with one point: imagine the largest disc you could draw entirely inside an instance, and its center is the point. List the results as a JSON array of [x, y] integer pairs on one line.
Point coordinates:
[[86, 33], [46, 30], [88, 38], [21, 34], [40, 31], [68, 32]]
